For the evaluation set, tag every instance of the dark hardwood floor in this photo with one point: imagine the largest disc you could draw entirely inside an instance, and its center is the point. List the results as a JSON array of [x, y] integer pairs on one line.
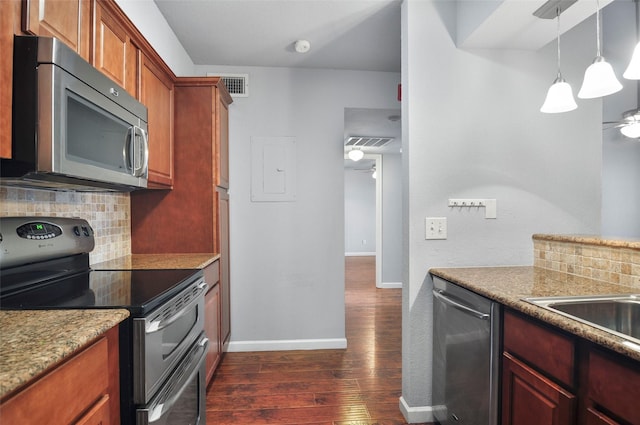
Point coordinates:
[[357, 386]]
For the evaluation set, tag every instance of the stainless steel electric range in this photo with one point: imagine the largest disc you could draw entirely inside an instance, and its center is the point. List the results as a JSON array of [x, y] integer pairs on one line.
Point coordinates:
[[44, 264]]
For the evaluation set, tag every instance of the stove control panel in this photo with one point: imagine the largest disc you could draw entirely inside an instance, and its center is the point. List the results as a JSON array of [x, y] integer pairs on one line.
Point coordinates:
[[25, 240], [38, 230]]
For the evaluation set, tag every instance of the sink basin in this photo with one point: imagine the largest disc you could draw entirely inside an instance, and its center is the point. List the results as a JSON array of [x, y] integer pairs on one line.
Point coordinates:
[[618, 314]]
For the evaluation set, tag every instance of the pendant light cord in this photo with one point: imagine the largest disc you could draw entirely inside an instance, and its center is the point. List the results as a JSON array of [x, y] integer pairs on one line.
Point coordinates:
[[558, 15], [598, 28]]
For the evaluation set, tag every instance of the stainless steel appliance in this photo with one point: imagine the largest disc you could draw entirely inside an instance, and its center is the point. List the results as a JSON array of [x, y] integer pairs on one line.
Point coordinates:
[[72, 127], [466, 356], [45, 265]]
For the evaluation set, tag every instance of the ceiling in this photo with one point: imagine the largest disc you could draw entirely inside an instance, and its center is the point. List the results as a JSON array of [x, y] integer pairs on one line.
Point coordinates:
[[344, 34]]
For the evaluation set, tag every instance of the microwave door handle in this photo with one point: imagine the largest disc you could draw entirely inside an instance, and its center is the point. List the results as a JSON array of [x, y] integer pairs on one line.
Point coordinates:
[[127, 151], [166, 404], [143, 141]]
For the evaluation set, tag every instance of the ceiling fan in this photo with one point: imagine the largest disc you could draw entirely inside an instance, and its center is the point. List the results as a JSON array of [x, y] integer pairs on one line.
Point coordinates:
[[629, 125]]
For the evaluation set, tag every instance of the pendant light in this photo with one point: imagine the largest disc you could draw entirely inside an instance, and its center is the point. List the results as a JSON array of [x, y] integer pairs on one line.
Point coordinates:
[[560, 95], [633, 70], [599, 78]]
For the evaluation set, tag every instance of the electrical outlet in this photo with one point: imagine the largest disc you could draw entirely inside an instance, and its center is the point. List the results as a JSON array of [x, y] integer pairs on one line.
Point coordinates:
[[436, 228]]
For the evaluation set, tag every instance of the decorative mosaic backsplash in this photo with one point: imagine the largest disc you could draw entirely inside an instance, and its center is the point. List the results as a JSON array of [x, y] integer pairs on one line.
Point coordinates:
[[613, 264], [108, 214]]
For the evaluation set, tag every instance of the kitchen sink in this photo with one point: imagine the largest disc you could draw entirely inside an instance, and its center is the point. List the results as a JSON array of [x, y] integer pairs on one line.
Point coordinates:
[[618, 314]]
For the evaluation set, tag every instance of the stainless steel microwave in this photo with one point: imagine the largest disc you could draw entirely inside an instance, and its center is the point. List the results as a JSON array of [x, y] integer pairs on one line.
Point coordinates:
[[72, 127]]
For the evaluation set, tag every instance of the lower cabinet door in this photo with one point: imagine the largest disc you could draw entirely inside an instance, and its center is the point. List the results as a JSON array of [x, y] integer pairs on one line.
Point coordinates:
[[528, 398], [212, 330]]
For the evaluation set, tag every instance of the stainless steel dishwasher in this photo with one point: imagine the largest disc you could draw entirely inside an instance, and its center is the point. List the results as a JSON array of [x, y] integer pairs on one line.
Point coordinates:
[[466, 343]]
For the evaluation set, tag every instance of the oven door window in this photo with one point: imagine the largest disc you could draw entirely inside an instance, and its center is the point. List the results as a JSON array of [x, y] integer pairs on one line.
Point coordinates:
[[181, 400]]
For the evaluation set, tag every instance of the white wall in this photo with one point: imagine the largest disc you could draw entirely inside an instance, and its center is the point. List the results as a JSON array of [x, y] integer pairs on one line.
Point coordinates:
[[359, 212], [621, 155], [472, 128], [287, 258], [154, 27], [392, 219]]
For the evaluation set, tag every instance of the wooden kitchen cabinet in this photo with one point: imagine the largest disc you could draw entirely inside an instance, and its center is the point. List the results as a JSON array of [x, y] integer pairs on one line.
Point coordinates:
[[67, 20], [612, 388], [529, 398], [212, 318], [156, 93], [10, 12], [538, 374], [115, 52], [225, 278], [84, 389], [194, 215], [551, 377]]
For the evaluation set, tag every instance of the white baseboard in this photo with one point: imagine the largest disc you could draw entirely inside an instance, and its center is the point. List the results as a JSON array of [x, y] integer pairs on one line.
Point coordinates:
[[416, 415], [359, 254], [288, 344], [386, 285]]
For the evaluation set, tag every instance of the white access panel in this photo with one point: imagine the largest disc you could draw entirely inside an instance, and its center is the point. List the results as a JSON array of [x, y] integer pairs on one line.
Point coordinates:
[[273, 169]]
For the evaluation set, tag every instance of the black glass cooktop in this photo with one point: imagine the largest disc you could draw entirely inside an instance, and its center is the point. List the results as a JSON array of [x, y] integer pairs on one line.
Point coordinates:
[[139, 291]]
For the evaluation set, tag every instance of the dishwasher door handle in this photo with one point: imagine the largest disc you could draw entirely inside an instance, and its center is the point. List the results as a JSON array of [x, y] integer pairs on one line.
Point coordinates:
[[475, 313]]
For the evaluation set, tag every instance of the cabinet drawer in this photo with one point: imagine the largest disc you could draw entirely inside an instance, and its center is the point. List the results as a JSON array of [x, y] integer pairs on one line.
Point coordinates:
[[614, 383], [550, 351], [63, 394]]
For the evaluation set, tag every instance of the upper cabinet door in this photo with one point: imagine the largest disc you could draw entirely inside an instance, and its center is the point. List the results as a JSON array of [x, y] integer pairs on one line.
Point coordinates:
[[67, 20], [222, 140], [156, 92], [114, 53]]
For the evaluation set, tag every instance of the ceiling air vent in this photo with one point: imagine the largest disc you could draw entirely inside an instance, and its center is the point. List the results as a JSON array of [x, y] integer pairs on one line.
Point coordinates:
[[369, 142], [237, 84]]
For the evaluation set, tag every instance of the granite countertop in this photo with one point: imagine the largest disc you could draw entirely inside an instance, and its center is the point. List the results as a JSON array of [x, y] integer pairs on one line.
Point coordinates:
[[509, 285], [31, 341], [158, 261]]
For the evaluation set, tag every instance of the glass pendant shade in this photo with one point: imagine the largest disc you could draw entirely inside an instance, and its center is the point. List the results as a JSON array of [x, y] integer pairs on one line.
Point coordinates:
[[355, 154], [599, 80], [633, 70], [631, 130], [559, 98]]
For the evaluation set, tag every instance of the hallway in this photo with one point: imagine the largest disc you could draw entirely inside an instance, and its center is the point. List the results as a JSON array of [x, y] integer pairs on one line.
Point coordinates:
[[357, 386]]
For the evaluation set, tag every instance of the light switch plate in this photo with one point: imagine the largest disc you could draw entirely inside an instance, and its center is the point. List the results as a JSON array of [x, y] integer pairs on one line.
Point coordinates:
[[435, 228]]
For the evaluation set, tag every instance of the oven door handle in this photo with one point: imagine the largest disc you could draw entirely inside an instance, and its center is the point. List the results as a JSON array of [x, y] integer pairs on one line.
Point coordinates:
[[164, 404], [158, 325]]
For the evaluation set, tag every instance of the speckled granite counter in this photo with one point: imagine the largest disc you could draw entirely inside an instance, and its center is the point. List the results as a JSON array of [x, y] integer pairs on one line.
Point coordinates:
[[158, 261], [31, 341], [509, 285]]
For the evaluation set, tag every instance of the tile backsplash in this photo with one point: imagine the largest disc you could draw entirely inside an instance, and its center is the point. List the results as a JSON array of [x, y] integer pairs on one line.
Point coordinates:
[[612, 264], [108, 213]]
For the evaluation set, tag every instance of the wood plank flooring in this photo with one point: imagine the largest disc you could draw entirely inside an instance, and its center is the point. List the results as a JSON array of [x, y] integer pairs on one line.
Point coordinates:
[[357, 386]]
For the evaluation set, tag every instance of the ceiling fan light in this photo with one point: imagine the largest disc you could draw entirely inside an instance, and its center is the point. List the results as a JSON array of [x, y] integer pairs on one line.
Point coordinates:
[[631, 130], [599, 80], [559, 98], [355, 154], [633, 70]]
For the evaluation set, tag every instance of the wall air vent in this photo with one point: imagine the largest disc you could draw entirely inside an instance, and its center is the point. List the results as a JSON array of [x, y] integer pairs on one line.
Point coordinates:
[[369, 142], [237, 84]]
